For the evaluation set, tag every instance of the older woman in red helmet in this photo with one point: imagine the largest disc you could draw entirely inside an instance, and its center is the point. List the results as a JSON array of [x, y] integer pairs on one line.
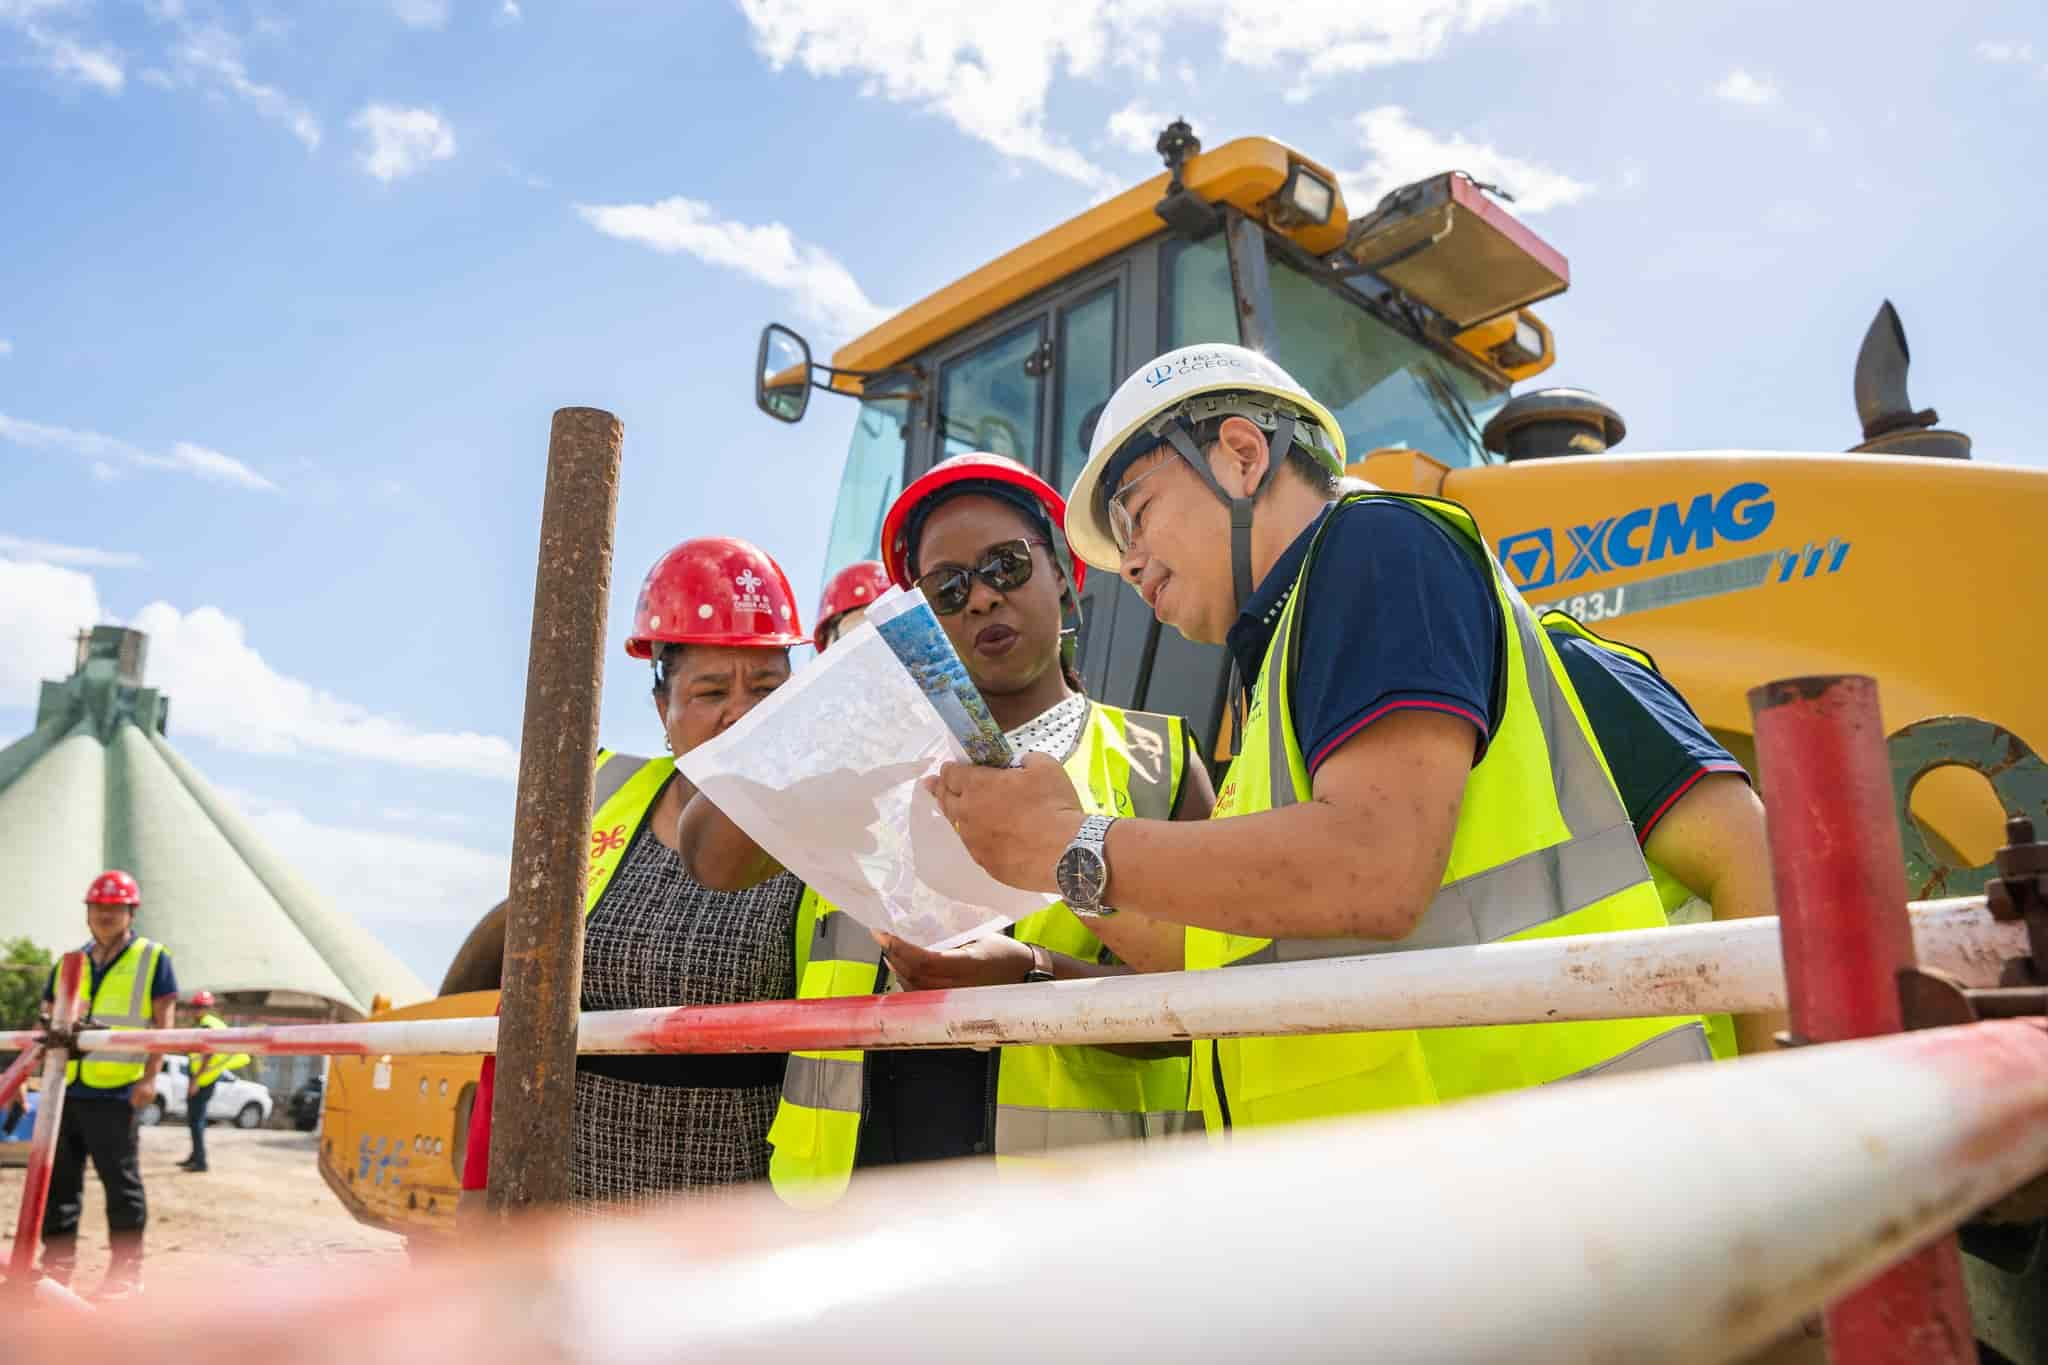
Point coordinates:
[[716, 619], [846, 600], [981, 535]]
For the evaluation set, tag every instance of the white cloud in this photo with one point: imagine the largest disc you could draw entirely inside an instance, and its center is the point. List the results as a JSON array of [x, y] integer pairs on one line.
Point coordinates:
[[510, 13], [43, 552], [985, 68], [2004, 52], [418, 893], [209, 56], [989, 69], [227, 692], [42, 609], [6, 346], [1324, 39], [421, 13], [97, 67], [401, 142], [1398, 152], [1136, 128], [815, 282], [1739, 87], [108, 453]]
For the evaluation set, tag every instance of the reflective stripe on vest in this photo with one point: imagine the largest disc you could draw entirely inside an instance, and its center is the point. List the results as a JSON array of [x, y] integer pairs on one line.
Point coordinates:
[[121, 1001], [626, 789], [1122, 762], [1542, 847], [1681, 906]]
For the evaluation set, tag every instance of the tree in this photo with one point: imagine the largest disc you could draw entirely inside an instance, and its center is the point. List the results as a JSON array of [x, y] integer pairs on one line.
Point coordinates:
[[24, 971]]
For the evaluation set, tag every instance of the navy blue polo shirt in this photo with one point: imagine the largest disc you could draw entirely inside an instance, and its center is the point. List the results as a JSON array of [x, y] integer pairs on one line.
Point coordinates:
[[164, 982], [1399, 614], [1655, 745]]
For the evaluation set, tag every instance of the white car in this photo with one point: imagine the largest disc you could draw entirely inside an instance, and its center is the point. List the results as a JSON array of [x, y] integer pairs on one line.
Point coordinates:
[[246, 1104]]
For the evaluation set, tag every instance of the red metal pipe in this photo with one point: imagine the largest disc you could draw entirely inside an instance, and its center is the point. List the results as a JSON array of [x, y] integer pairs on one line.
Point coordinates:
[[1839, 872], [16, 1076], [42, 1146]]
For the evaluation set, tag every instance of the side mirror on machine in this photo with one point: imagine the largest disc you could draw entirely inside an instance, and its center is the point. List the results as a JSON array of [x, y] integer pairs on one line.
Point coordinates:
[[782, 374]]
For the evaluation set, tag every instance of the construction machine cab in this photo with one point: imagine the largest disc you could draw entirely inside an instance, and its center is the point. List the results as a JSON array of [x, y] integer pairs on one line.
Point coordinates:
[[1390, 320]]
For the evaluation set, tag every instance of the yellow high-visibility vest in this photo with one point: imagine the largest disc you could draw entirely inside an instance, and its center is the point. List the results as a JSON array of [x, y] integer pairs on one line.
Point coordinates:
[[120, 1002], [1045, 1098], [1542, 848]]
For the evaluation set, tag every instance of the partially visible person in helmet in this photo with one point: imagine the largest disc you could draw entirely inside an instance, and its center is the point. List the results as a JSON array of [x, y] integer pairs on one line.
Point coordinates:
[[980, 535], [846, 599], [1696, 816], [203, 1071], [716, 619], [1410, 771]]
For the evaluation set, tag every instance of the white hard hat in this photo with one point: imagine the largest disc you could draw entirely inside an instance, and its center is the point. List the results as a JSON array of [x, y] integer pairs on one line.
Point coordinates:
[[1135, 418]]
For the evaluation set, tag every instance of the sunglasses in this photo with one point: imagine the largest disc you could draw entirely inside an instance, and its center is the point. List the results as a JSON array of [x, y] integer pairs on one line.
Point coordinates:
[[1005, 567], [1123, 527]]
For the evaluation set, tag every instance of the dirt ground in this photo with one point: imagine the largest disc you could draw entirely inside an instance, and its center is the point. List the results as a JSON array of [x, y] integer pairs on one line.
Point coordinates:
[[261, 1202]]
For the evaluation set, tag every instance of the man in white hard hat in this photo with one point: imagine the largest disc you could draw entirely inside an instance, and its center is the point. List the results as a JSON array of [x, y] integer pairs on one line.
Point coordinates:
[[1413, 769]]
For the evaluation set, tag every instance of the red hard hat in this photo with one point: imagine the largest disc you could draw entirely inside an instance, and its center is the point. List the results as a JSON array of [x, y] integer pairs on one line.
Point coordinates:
[[203, 999], [852, 587], [976, 467], [113, 887], [715, 590]]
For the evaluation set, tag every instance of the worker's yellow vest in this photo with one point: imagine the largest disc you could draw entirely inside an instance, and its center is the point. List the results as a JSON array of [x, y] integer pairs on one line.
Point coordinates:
[[1045, 1098], [1671, 892], [626, 789], [122, 1003], [204, 1068], [1542, 848]]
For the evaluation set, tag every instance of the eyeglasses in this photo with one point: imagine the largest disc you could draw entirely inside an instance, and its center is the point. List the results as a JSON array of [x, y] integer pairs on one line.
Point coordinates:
[[1005, 567], [1123, 527]]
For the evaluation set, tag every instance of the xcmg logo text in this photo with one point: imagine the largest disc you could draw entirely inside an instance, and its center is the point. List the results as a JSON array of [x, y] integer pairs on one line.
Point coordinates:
[[1643, 535]]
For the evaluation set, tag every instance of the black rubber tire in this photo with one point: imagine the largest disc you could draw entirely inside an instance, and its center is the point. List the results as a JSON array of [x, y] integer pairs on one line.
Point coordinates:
[[249, 1115]]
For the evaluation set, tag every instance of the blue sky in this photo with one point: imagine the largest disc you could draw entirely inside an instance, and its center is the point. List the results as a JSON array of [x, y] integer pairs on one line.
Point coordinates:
[[287, 296]]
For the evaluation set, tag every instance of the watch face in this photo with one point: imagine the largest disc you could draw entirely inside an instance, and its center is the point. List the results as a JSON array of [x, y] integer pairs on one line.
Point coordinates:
[[1081, 876]]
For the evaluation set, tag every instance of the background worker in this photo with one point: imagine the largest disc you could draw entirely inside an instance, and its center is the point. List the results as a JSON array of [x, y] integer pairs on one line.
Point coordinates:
[[1410, 770], [203, 1071], [716, 618], [979, 535], [129, 985], [1696, 816], [845, 601]]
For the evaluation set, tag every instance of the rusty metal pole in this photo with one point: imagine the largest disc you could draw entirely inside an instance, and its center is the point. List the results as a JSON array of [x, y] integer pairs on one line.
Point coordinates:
[[1839, 874], [42, 1144], [531, 1118]]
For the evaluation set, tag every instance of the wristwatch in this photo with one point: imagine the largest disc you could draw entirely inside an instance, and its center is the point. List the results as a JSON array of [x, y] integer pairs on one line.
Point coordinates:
[[1083, 870]]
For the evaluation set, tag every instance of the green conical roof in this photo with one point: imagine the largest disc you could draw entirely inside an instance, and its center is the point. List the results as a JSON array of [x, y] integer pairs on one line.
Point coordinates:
[[96, 785]]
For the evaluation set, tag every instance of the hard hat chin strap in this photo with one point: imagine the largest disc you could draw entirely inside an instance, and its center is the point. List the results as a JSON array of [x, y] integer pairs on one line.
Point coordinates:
[[1277, 446]]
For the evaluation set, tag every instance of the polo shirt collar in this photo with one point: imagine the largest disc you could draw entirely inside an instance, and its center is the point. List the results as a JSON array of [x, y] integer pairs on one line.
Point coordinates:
[[1252, 632]]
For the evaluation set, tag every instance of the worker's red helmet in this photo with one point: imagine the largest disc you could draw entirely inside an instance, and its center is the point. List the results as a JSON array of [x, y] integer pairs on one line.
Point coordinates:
[[999, 476], [715, 590], [113, 887], [203, 999], [853, 587]]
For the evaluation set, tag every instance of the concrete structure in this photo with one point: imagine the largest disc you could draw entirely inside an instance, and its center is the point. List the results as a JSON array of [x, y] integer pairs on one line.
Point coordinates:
[[97, 785]]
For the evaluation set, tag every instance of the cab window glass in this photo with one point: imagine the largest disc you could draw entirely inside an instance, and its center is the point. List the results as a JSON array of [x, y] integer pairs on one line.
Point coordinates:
[[989, 397], [1087, 359]]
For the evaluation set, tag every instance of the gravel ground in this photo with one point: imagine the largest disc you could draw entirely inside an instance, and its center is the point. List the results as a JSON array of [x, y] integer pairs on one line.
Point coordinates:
[[261, 1202]]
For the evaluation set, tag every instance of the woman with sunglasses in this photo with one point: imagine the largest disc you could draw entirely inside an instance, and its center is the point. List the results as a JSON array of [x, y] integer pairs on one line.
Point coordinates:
[[979, 534]]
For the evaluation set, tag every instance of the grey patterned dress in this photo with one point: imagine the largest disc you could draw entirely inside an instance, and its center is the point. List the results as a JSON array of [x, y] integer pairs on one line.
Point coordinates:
[[650, 1128]]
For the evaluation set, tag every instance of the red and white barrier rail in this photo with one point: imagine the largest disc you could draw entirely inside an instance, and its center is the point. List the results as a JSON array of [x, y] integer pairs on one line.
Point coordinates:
[[1689, 1215], [1731, 967]]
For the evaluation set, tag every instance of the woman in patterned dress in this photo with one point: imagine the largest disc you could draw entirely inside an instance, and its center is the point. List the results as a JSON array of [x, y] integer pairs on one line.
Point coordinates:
[[716, 618]]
